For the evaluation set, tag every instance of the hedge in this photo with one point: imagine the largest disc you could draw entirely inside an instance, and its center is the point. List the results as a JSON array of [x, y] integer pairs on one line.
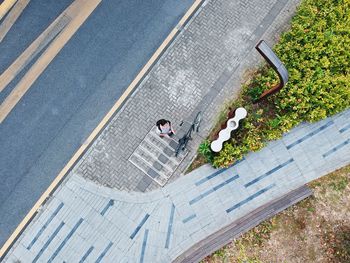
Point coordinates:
[[316, 52]]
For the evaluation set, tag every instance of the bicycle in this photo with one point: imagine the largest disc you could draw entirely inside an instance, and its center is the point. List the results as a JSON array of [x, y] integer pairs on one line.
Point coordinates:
[[185, 139]]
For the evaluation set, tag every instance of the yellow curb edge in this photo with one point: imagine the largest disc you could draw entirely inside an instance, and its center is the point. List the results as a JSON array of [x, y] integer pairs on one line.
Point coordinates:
[[20, 228], [5, 7]]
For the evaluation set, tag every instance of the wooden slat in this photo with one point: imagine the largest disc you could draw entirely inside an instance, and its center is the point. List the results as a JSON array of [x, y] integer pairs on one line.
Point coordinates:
[[242, 225]]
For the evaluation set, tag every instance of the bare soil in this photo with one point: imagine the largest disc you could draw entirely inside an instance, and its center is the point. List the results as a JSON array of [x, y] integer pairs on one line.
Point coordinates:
[[314, 230]]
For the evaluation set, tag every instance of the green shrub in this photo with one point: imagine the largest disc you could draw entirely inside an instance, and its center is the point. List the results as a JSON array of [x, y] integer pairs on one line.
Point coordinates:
[[204, 150], [316, 52]]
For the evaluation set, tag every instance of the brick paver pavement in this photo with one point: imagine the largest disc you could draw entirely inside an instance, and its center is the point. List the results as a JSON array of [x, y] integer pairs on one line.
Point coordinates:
[[84, 222], [202, 68]]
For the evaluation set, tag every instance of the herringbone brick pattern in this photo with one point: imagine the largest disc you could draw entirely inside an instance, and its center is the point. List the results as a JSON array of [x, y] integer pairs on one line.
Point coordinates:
[[209, 55]]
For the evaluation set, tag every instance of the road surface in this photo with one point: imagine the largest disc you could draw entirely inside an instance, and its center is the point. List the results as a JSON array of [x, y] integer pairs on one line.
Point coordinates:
[[75, 91]]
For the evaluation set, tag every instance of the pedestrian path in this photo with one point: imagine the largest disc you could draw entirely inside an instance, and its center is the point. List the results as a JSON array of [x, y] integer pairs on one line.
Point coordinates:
[[236, 228], [155, 156], [199, 70], [85, 222]]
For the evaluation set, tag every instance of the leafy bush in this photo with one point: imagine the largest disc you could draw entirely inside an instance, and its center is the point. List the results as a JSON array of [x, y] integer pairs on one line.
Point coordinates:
[[204, 150], [316, 52]]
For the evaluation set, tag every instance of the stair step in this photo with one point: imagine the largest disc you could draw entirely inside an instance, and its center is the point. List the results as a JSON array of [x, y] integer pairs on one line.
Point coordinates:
[[155, 156], [148, 170]]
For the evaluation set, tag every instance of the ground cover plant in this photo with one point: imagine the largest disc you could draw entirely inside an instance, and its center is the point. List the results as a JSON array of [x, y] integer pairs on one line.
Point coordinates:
[[314, 230], [316, 52]]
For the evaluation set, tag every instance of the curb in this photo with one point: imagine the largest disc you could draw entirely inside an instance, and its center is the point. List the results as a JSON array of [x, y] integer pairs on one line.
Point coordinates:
[[196, 6]]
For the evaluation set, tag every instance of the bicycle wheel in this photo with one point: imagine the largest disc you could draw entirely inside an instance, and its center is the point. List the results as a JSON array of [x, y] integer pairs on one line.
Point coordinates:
[[177, 151], [197, 121], [180, 146]]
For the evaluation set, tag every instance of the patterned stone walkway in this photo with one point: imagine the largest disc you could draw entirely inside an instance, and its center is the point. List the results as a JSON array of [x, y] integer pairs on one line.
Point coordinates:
[[199, 71], [84, 222], [155, 156]]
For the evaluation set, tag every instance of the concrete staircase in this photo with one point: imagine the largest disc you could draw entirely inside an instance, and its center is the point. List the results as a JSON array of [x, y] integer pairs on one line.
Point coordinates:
[[155, 156]]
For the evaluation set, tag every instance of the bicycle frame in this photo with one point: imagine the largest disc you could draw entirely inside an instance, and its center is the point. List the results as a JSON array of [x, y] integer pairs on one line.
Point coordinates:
[[184, 139]]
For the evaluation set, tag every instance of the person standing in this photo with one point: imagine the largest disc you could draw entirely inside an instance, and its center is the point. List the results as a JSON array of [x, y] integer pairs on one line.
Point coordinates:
[[164, 128]]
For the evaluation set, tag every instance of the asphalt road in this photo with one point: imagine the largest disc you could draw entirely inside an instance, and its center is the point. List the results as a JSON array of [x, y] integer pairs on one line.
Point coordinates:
[[73, 94]]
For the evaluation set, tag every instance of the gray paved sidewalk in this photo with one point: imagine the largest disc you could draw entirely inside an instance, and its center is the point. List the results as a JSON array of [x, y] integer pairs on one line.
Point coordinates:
[[202, 68], [84, 222]]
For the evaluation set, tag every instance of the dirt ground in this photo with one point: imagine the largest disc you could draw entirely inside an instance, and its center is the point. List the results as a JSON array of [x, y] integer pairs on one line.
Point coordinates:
[[314, 230]]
